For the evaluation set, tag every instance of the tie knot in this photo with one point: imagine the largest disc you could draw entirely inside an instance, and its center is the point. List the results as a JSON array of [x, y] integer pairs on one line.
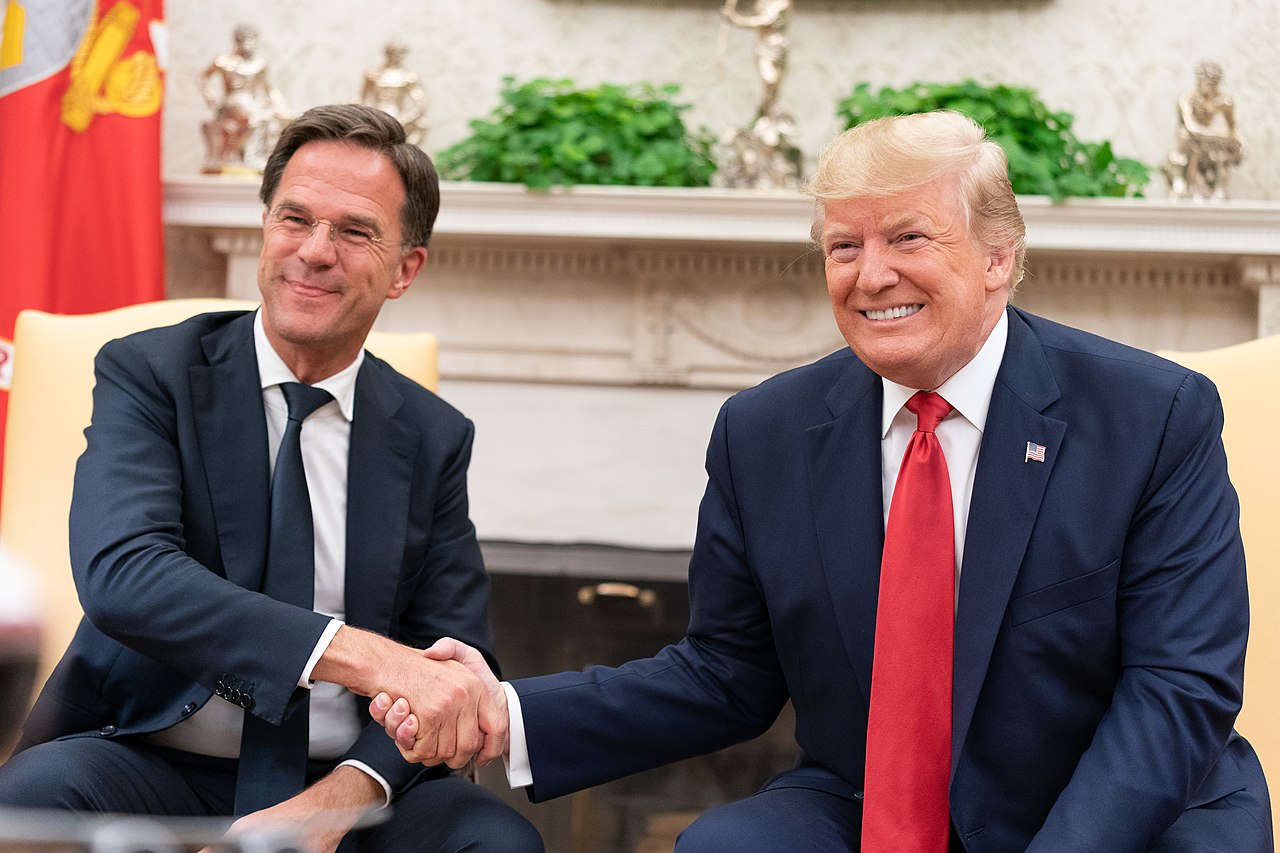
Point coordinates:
[[303, 399], [929, 408]]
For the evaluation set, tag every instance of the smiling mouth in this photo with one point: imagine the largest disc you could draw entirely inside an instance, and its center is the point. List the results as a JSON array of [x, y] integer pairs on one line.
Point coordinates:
[[307, 288], [894, 313]]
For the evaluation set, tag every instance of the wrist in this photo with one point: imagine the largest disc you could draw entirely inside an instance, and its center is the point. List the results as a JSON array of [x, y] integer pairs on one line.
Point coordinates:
[[349, 787], [351, 660], [337, 803]]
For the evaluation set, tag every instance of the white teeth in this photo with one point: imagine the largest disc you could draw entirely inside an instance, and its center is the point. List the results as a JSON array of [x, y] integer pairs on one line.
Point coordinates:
[[893, 313]]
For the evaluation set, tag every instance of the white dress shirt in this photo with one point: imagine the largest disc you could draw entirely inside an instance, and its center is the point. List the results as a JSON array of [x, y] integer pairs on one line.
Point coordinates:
[[334, 722], [960, 434]]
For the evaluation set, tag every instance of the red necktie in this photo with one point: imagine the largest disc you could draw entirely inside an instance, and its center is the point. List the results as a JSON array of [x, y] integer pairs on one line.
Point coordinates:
[[906, 807]]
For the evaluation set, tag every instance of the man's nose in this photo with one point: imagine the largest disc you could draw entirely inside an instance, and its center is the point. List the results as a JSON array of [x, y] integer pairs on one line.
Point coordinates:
[[318, 247], [876, 270]]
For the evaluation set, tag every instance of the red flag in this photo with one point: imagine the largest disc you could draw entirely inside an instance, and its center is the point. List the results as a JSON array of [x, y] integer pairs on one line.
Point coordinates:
[[80, 191]]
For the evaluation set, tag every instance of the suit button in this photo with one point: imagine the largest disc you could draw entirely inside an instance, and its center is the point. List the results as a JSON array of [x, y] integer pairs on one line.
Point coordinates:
[[233, 696], [107, 731], [246, 701], [188, 709]]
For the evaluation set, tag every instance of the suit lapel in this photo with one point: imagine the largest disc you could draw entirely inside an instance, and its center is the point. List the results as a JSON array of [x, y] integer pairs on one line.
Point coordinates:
[[844, 470], [1007, 493], [379, 477], [231, 428]]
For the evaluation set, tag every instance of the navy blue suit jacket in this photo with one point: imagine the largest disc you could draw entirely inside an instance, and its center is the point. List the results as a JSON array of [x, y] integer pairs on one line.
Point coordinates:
[[1101, 623], [169, 522]]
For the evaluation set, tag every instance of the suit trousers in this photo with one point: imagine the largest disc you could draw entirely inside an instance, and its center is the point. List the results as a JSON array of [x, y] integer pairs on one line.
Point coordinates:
[[806, 809], [91, 774], [814, 810]]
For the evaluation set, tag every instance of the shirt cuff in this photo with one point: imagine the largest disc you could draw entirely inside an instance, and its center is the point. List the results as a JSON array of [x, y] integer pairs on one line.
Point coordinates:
[[369, 771], [322, 646], [516, 760]]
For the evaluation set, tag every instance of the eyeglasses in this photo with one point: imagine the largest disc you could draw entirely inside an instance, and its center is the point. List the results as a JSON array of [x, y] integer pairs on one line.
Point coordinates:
[[345, 234]]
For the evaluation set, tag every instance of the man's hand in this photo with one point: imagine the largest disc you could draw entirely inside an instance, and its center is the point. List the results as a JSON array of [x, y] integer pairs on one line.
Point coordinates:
[[450, 702], [401, 720], [320, 816]]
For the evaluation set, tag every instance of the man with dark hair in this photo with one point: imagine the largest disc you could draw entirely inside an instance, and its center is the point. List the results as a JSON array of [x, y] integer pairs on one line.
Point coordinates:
[[993, 562], [217, 668]]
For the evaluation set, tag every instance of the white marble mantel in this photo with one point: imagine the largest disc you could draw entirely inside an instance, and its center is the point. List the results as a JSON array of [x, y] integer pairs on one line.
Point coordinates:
[[718, 288], [1143, 226], [592, 333]]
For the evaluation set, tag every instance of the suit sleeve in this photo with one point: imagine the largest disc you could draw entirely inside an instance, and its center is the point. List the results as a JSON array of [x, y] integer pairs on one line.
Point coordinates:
[[450, 597], [136, 583], [1183, 623], [721, 685]]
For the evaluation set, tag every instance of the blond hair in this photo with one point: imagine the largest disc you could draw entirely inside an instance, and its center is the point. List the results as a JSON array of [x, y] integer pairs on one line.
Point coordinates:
[[899, 153]]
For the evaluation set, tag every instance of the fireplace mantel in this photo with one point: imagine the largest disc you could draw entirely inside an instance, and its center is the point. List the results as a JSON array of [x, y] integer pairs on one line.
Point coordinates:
[[719, 288], [700, 215]]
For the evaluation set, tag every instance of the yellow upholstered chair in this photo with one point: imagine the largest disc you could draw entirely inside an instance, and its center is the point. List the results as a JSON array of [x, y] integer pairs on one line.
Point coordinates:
[[49, 406], [1248, 378]]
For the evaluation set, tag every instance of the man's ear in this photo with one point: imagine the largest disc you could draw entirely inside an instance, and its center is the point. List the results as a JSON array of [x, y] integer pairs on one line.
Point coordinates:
[[999, 268], [407, 269]]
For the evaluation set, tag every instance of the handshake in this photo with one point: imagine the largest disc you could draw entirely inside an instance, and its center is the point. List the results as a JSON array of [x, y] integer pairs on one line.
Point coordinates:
[[464, 718]]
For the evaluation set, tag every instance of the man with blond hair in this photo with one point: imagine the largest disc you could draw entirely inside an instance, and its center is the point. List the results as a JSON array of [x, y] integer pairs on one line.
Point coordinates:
[[994, 563]]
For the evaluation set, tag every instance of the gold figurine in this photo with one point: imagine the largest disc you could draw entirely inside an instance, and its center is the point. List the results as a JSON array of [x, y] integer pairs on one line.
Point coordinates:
[[395, 90], [247, 110], [1208, 144], [763, 154]]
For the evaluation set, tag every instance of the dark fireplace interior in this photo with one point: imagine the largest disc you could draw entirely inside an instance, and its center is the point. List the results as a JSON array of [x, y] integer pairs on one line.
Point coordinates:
[[558, 608]]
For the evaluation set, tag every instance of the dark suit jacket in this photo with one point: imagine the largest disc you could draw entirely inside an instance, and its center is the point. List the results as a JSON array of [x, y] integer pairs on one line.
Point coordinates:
[[169, 522], [1101, 622]]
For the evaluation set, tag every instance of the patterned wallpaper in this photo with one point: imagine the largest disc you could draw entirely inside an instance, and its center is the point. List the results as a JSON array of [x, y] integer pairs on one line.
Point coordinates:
[[1118, 65]]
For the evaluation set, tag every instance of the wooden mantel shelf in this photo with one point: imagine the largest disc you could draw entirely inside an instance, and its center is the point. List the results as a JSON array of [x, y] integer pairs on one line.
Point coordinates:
[[1143, 226]]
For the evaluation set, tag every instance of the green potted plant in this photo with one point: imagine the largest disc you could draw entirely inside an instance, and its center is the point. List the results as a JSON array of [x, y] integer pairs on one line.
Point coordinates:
[[547, 132], [1045, 157]]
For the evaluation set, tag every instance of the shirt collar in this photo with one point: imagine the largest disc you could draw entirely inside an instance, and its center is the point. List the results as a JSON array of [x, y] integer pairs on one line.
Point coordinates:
[[273, 371], [968, 390]]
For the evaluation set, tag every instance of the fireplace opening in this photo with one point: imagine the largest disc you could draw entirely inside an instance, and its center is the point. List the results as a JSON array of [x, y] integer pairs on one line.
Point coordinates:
[[557, 608]]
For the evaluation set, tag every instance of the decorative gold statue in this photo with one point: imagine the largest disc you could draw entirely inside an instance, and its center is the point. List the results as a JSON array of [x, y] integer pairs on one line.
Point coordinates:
[[394, 89], [1208, 144], [247, 111], [770, 21], [763, 154]]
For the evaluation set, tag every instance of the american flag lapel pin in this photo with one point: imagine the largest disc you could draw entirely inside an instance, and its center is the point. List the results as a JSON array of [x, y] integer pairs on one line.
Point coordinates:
[[1035, 452]]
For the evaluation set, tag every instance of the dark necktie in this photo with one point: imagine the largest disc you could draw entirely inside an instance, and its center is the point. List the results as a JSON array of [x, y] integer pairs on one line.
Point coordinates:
[[906, 807], [273, 759]]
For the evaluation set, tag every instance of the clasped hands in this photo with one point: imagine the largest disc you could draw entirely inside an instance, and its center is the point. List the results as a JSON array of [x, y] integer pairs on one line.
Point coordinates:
[[450, 710], [454, 729]]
